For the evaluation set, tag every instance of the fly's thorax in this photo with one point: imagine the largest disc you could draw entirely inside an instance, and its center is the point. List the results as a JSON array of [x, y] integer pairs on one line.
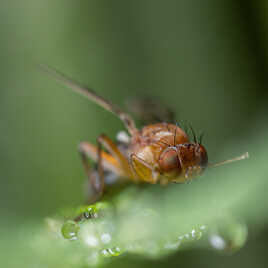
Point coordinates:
[[168, 133], [153, 139]]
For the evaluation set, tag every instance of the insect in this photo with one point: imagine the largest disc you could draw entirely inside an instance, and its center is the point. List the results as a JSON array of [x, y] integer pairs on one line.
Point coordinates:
[[157, 153]]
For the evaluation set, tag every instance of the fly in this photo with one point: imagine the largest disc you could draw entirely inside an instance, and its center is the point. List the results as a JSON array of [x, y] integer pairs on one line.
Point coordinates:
[[157, 153]]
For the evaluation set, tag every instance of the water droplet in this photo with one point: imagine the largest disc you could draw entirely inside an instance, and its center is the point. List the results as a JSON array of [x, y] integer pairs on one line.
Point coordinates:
[[203, 227], [53, 225], [197, 233], [187, 236], [91, 240], [105, 238], [217, 242], [229, 235], [194, 235], [96, 210], [172, 245], [70, 230], [180, 237], [111, 252], [91, 212]]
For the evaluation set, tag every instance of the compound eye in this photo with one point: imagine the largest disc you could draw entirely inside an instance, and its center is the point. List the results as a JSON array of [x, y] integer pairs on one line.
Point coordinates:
[[169, 161], [203, 156]]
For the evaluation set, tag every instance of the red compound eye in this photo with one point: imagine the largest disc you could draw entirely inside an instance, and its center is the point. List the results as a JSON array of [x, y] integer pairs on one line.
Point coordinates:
[[169, 161], [203, 156]]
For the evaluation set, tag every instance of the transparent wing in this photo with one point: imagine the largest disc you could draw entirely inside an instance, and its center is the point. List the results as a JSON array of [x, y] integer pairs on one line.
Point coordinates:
[[150, 110]]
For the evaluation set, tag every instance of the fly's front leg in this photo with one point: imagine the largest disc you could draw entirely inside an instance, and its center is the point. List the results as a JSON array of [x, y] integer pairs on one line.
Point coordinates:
[[96, 179], [112, 148], [100, 167], [113, 161]]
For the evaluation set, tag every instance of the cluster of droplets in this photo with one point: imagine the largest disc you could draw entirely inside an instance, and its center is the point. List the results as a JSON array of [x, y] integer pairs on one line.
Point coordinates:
[[161, 246], [95, 227], [195, 234], [185, 239]]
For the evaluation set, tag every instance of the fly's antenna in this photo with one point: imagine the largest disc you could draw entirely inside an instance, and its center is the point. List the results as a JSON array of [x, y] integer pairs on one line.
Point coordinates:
[[241, 157], [92, 95]]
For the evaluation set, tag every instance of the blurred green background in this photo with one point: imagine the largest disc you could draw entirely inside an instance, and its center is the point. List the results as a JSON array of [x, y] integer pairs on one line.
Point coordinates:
[[205, 59]]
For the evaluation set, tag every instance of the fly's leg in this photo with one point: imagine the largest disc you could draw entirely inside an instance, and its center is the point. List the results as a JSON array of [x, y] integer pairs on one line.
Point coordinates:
[[113, 161], [143, 170], [96, 179], [111, 147]]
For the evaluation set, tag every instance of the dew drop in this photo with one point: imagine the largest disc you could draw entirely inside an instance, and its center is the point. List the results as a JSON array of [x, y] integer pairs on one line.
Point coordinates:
[[203, 227], [187, 236], [70, 230], [111, 252], [105, 238], [91, 240], [217, 242], [172, 245], [228, 236], [197, 233], [91, 212]]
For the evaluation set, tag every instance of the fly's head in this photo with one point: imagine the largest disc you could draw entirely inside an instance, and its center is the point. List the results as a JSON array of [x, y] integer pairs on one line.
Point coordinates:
[[182, 162]]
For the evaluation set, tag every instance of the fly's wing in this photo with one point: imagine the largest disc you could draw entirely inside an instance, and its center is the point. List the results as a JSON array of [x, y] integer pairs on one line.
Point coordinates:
[[150, 110]]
